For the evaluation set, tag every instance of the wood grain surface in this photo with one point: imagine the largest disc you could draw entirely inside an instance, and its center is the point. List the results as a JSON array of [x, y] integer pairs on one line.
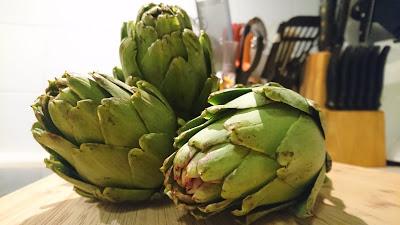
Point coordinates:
[[356, 137], [355, 196]]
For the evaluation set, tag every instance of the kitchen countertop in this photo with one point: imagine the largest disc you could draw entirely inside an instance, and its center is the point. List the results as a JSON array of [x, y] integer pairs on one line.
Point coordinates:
[[355, 196]]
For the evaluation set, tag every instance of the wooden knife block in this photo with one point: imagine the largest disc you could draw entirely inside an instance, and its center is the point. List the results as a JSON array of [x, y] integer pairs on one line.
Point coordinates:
[[314, 84], [356, 137]]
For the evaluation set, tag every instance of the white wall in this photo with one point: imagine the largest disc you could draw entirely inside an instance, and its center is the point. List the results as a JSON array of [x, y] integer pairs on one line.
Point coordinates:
[[39, 39]]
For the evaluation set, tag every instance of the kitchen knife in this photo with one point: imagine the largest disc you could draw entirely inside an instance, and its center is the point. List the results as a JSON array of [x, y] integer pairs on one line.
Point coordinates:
[[371, 84], [343, 77], [362, 79], [353, 77], [332, 80], [380, 70], [327, 24], [341, 21]]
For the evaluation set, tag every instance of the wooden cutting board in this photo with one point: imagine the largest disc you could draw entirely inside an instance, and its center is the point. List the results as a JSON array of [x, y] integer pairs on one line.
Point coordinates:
[[355, 196]]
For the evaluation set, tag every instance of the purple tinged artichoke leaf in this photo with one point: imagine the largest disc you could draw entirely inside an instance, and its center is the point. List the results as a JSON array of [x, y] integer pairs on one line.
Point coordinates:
[[220, 161], [210, 136], [207, 192]]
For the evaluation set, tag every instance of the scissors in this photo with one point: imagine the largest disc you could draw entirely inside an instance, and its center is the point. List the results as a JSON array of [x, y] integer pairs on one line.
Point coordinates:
[[254, 33]]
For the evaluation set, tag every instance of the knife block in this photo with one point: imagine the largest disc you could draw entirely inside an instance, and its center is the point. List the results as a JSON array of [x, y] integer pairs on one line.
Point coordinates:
[[314, 84], [356, 137]]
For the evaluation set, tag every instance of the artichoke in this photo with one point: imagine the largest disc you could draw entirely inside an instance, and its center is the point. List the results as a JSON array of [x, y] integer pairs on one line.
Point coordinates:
[[106, 138], [254, 151], [161, 48]]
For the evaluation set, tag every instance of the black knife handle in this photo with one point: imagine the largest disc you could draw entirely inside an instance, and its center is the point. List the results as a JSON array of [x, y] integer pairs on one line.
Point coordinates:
[[380, 74]]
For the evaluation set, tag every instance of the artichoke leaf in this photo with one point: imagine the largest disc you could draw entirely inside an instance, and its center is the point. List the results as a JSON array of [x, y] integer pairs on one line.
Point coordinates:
[[68, 95], [302, 152], [124, 30], [263, 211], [216, 207], [155, 62], [195, 56], [263, 128], [239, 183], [210, 136], [145, 36], [220, 161], [86, 88], [112, 88], [59, 113], [150, 110], [144, 168], [85, 123], [157, 144], [276, 191], [41, 111], [146, 86], [167, 164], [208, 52], [127, 195], [198, 121], [248, 100], [55, 142], [128, 53], [104, 165], [65, 173], [287, 96], [210, 85], [182, 159], [179, 85], [120, 123], [207, 192], [118, 74], [144, 9], [166, 24], [190, 132], [224, 96], [304, 208]]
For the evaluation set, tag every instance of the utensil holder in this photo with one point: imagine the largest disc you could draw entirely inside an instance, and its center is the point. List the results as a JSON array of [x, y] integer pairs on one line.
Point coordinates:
[[356, 137]]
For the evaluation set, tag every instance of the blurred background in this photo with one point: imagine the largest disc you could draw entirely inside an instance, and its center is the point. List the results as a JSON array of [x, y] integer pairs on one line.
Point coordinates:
[[40, 39]]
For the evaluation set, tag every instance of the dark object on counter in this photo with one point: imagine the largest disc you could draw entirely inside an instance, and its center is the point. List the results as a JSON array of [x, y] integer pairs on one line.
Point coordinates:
[[371, 83], [334, 15], [355, 78], [256, 28], [334, 28], [327, 26], [296, 37], [379, 77], [384, 12]]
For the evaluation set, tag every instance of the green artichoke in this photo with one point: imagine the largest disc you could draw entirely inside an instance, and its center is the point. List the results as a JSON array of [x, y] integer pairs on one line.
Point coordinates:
[[106, 138], [161, 48], [254, 151]]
